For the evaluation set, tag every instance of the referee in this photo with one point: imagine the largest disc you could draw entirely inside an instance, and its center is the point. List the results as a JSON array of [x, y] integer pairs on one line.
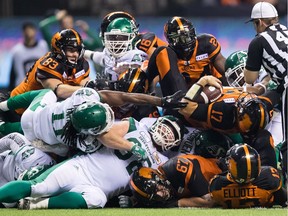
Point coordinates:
[[269, 48]]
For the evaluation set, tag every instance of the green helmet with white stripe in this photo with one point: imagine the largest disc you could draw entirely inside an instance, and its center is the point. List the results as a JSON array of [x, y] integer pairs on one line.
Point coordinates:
[[92, 118], [119, 36]]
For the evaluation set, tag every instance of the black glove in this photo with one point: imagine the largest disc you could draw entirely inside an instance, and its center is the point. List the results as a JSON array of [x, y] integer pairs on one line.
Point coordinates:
[[173, 101], [98, 84]]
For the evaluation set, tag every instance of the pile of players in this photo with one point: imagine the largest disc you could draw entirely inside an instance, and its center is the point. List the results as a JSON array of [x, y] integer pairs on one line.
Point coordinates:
[[84, 143]]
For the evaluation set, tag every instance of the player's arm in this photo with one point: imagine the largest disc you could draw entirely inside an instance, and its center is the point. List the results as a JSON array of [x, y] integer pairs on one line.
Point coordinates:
[[117, 98], [114, 138], [250, 76], [204, 202], [195, 91], [219, 63], [259, 88], [60, 89]]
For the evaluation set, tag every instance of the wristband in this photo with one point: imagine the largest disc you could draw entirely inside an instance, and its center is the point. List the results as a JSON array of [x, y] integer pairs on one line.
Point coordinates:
[[193, 92], [262, 85], [55, 89]]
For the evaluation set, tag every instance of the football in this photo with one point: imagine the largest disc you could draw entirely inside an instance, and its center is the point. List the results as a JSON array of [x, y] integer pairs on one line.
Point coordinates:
[[209, 94]]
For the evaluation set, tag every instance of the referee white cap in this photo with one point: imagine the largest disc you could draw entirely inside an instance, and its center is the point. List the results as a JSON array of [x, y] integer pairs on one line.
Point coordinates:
[[263, 10]]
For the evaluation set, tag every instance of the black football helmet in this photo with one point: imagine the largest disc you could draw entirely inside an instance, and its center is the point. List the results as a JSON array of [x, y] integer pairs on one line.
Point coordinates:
[[150, 188], [181, 36], [113, 15], [133, 80], [252, 113], [210, 143], [63, 40], [243, 163]]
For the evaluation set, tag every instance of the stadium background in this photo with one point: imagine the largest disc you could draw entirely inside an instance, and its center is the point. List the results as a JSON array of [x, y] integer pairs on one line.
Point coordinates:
[[225, 22]]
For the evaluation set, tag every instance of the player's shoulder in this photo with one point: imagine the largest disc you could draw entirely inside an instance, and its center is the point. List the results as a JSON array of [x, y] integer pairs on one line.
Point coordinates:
[[268, 179], [207, 44], [146, 36], [204, 37], [218, 182]]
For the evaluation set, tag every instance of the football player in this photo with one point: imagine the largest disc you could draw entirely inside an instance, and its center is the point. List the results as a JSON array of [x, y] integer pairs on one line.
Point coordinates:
[[79, 120], [233, 112], [63, 70], [18, 155], [234, 66], [207, 143], [187, 57], [147, 42], [181, 181], [247, 184], [134, 51], [234, 72], [119, 49], [89, 180]]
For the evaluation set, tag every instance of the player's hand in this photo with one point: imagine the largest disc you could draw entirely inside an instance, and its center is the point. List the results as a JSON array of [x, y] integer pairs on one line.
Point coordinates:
[[139, 152], [125, 201], [174, 101], [210, 80], [98, 84], [123, 66]]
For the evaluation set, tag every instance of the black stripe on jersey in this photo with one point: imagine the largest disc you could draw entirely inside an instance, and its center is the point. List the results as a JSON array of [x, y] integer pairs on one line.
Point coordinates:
[[275, 55]]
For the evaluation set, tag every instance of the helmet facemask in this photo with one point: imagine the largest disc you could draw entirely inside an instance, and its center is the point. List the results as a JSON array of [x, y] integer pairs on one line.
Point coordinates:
[[183, 39], [165, 133], [235, 76], [234, 68], [181, 36], [118, 43]]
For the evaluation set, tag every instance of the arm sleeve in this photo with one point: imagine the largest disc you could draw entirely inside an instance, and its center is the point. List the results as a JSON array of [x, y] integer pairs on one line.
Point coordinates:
[[255, 52]]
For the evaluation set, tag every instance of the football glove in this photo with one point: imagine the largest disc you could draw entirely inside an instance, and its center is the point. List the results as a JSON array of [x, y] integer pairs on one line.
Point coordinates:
[[139, 152], [98, 84], [173, 101], [125, 201]]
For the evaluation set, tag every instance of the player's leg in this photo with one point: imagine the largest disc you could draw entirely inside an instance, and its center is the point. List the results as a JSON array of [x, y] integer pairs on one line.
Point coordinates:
[[14, 191], [66, 200]]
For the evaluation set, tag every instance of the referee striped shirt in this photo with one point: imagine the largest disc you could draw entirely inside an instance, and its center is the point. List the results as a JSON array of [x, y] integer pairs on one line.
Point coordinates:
[[269, 49]]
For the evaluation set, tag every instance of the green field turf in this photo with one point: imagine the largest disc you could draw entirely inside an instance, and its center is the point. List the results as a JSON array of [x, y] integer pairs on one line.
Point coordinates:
[[148, 212]]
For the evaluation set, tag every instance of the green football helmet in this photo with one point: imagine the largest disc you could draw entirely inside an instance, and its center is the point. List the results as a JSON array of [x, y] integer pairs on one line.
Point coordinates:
[[234, 68], [167, 132], [210, 143], [92, 118], [119, 36]]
